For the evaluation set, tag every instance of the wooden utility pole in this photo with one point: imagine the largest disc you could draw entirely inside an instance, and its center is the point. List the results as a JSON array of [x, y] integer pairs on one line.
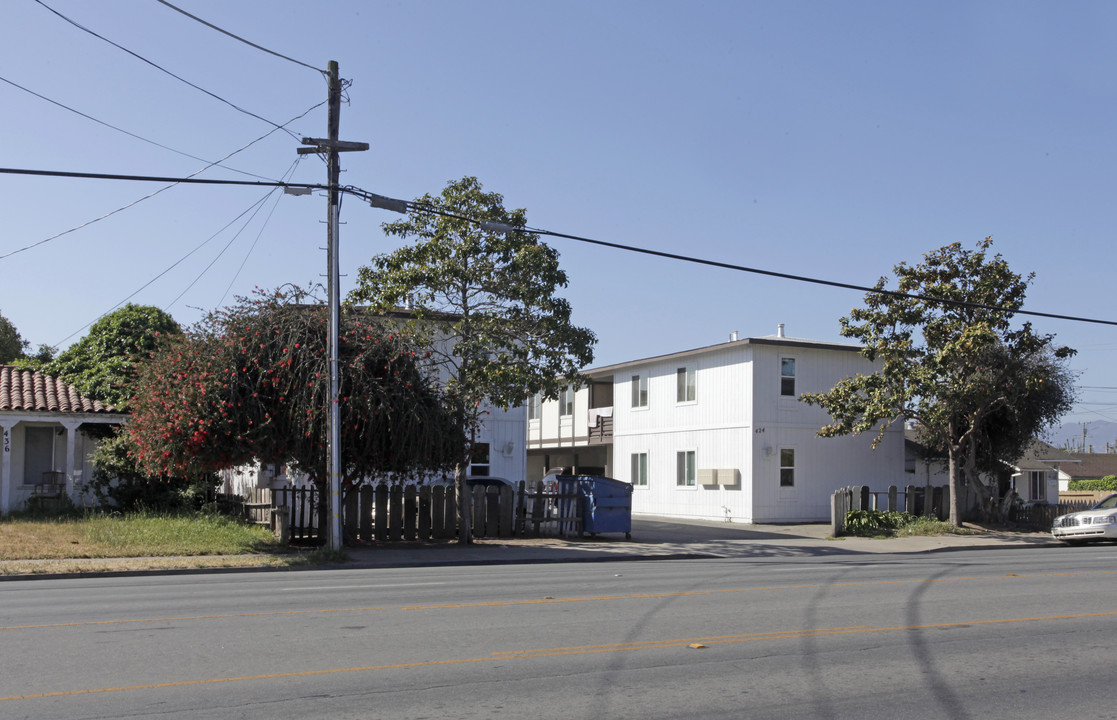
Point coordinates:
[[331, 146]]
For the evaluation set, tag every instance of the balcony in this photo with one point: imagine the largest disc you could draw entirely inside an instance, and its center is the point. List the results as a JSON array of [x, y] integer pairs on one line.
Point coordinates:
[[600, 423]]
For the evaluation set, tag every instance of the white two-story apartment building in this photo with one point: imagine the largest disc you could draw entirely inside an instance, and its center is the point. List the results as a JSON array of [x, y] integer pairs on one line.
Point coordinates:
[[717, 432]]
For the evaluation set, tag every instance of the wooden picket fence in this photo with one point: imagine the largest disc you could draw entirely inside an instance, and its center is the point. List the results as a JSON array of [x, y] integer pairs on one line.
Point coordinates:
[[393, 513], [932, 501], [913, 500], [1041, 517]]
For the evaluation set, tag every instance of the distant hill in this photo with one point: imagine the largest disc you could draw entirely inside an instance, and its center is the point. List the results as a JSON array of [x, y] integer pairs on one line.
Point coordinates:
[[1098, 433]]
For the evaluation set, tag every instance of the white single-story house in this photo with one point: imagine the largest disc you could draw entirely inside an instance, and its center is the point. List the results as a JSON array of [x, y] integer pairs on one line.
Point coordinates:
[[44, 441], [500, 451], [717, 432], [1036, 476]]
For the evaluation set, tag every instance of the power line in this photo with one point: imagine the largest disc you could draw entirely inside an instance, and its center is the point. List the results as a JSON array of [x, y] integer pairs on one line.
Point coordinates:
[[229, 244], [188, 180], [172, 266], [173, 182], [121, 130], [168, 72], [279, 196], [402, 206], [236, 37], [724, 265]]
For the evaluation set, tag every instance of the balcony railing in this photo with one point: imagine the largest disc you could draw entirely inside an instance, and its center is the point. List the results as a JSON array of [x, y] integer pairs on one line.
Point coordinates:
[[601, 425]]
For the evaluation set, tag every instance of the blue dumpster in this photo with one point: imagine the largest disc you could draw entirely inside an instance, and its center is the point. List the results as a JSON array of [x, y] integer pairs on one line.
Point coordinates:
[[606, 503]]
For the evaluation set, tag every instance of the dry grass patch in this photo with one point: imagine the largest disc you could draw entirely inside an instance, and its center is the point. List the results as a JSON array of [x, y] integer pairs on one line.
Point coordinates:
[[99, 535]]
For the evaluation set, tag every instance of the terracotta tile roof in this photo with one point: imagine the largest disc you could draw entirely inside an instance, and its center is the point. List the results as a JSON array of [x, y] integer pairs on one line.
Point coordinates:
[[31, 391]]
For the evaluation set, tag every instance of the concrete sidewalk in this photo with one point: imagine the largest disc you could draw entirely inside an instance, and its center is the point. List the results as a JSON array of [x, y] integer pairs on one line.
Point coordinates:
[[653, 538], [656, 538]]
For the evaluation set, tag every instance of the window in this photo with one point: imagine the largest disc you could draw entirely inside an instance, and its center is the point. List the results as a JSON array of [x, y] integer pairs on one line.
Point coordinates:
[[479, 460], [640, 469], [787, 467], [639, 391], [787, 376], [566, 401], [38, 454], [684, 468], [534, 406], [1038, 483], [685, 384]]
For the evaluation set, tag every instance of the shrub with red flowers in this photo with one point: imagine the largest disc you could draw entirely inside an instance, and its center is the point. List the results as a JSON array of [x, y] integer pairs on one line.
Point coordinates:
[[251, 383]]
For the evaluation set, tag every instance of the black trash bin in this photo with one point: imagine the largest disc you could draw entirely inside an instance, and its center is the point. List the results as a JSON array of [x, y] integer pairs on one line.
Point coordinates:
[[606, 503]]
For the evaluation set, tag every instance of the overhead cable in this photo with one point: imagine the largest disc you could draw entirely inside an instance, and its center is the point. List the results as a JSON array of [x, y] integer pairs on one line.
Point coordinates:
[[168, 72], [173, 182], [263, 226], [172, 266], [188, 180], [500, 227], [121, 130], [229, 244], [237, 37]]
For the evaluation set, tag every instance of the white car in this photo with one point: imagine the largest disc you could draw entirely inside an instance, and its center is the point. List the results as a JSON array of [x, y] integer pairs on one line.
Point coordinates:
[[1097, 523]]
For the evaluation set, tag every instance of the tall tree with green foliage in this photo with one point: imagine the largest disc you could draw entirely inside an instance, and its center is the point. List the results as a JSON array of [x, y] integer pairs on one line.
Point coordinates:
[[951, 359], [12, 343], [488, 302], [102, 364]]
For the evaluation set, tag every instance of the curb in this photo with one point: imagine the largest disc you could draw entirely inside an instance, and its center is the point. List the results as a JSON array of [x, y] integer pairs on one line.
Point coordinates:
[[416, 560]]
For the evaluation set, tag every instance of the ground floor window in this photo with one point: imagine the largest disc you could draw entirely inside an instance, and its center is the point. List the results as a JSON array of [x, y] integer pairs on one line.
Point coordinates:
[[1038, 485], [684, 468], [640, 468], [787, 467], [479, 460]]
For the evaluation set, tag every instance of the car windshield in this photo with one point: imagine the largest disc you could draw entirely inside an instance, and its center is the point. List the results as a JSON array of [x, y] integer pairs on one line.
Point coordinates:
[[1108, 504]]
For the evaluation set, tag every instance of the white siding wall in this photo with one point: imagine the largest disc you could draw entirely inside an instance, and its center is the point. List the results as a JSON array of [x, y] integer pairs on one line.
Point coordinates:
[[738, 421], [552, 431], [716, 426], [822, 465], [723, 449]]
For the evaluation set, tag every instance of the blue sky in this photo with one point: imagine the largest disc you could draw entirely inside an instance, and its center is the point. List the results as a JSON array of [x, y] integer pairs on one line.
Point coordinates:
[[831, 140]]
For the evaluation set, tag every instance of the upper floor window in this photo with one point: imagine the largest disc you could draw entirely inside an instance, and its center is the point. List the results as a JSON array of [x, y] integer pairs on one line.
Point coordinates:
[[534, 406], [685, 384], [787, 376], [566, 401], [639, 391]]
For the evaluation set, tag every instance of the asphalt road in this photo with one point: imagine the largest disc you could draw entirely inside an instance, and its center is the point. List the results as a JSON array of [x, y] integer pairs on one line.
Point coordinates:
[[1020, 633]]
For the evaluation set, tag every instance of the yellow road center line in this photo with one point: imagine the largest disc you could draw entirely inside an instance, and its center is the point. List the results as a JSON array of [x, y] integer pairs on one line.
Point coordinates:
[[559, 652]]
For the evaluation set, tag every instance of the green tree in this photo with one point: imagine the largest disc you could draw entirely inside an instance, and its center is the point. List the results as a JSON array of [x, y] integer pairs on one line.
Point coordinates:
[[487, 302], [119, 481], [979, 388], [251, 383], [12, 343], [102, 364]]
